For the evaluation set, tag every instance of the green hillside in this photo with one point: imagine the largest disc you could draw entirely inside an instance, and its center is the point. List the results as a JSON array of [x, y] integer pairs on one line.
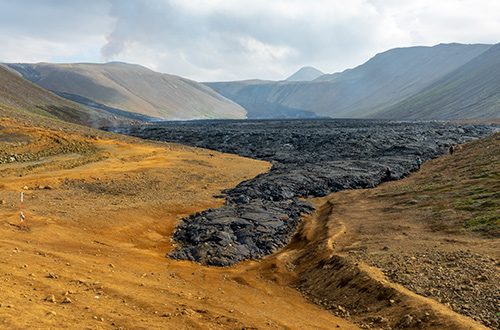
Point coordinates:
[[21, 98], [456, 193]]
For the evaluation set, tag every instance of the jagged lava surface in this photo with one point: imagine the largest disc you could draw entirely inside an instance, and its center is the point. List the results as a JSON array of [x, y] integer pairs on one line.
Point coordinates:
[[311, 158]]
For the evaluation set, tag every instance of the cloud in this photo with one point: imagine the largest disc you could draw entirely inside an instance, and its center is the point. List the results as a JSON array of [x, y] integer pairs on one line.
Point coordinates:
[[271, 37], [465, 21], [54, 19], [50, 30], [229, 40]]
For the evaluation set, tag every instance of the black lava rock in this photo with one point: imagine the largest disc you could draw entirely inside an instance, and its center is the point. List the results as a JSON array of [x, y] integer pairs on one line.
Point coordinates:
[[235, 232], [311, 158]]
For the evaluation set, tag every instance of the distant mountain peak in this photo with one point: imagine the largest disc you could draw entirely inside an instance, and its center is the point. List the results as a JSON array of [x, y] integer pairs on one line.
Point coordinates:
[[306, 73]]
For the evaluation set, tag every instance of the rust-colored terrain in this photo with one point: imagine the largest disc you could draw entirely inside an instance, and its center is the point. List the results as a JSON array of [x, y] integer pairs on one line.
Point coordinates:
[[100, 214], [100, 210]]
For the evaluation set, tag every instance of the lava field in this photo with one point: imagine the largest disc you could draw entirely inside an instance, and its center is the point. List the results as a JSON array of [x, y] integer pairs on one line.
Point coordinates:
[[311, 158]]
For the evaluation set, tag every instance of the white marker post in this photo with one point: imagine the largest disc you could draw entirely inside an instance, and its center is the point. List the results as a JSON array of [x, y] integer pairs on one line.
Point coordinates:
[[22, 215]]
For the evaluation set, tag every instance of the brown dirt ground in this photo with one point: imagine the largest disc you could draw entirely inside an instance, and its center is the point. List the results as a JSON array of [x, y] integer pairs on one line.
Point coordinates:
[[100, 214], [101, 211]]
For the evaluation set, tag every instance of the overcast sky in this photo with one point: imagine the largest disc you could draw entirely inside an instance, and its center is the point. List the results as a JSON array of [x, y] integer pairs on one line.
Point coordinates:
[[214, 40]]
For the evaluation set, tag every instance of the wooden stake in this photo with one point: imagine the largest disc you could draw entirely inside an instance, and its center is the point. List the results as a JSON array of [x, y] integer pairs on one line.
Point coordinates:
[[22, 215]]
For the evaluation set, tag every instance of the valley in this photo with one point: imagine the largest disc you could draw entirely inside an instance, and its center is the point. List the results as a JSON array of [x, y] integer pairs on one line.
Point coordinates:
[[101, 210], [443, 82], [293, 222], [311, 158]]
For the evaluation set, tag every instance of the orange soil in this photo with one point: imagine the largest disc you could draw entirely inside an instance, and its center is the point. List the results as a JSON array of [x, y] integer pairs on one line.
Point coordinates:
[[100, 213], [101, 210]]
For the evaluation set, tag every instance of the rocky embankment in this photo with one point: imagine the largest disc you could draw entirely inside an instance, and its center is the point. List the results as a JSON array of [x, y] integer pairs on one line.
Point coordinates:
[[461, 280], [311, 158]]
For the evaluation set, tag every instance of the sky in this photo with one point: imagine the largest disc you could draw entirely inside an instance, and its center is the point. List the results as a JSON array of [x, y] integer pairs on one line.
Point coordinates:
[[226, 40]]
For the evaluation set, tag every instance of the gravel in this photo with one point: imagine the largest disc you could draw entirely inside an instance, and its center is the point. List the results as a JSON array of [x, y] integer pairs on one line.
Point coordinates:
[[466, 282]]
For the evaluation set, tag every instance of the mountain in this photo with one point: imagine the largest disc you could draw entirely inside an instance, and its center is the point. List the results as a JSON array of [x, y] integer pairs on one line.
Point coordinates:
[[262, 99], [443, 82], [131, 88], [472, 91], [368, 90], [19, 95], [307, 73]]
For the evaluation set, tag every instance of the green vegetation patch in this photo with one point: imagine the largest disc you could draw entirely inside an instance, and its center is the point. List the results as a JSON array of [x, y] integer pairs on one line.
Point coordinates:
[[483, 220], [455, 193]]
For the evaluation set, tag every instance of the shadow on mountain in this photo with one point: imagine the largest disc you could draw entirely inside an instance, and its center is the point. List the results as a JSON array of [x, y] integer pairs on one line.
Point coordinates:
[[114, 111]]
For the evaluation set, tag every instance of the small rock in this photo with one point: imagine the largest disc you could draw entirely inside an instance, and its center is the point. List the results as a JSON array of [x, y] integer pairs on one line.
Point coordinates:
[[67, 301], [50, 298], [407, 320], [51, 313], [381, 320], [482, 278], [26, 188], [52, 275], [188, 312]]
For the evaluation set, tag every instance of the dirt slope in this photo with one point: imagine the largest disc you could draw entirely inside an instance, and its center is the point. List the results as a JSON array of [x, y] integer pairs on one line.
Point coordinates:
[[100, 212], [411, 253]]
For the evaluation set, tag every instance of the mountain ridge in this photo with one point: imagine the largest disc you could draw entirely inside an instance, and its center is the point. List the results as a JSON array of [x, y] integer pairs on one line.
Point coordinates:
[[132, 88], [473, 88], [19, 95], [442, 82], [382, 82]]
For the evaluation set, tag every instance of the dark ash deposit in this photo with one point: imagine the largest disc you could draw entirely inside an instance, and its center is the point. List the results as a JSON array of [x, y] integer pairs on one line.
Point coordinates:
[[311, 158]]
